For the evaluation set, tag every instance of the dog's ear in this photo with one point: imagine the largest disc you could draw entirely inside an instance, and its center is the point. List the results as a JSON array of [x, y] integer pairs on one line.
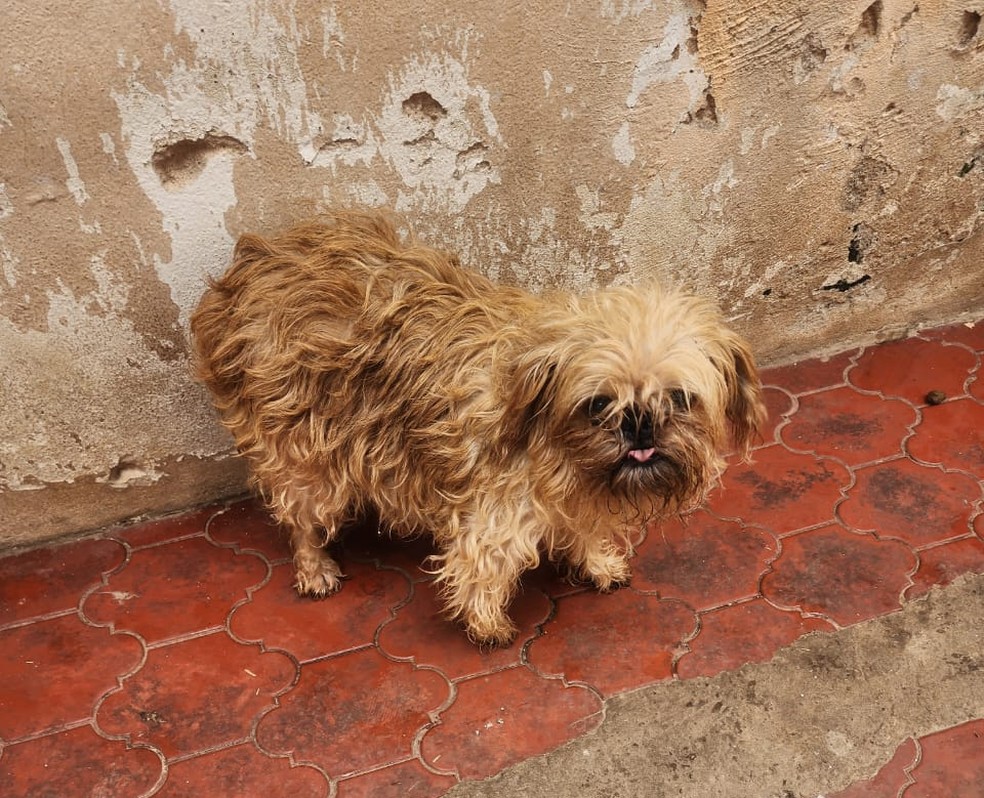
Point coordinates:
[[250, 247], [529, 390], [744, 407]]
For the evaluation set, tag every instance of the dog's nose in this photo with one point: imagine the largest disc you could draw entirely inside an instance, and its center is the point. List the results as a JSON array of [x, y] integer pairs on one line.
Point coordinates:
[[638, 428]]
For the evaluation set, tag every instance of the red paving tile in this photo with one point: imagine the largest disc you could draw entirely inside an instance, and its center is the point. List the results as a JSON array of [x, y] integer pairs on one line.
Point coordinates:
[[948, 763], [841, 575], [46, 581], [422, 634], [969, 334], [890, 780], [500, 719], [163, 530], [780, 405], [950, 434], [174, 589], [703, 561], [174, 658], [951, 763], [646, 631], [781, 490], [405, 780], [749, 632], [78, 762], [246, 526], [53, 672], [354, 712], [919, 504], [940, 565], [809, 375], [855, 428], [911, 368], [240, 771], [171, 703], [280, 619], [976, 388]]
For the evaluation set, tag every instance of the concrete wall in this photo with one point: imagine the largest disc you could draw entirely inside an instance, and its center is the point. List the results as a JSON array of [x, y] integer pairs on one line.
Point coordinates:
[[816, 165]]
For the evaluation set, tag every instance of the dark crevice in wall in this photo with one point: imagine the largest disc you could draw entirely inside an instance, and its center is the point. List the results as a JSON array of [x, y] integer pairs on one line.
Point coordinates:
[[868, 28], [183, 160], [423, 106], [843, 285], [871, 19], [862, 240], [706, 113], [969, 165], [970, 24]]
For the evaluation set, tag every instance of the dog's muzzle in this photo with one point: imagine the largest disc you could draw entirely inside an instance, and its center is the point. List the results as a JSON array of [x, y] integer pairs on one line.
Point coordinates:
[[639, 433]]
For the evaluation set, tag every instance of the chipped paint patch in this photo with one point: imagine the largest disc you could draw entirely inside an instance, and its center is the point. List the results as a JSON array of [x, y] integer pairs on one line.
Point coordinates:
[[74, 183], [437, 131], [622, 145], [669, 61], [954, 102]]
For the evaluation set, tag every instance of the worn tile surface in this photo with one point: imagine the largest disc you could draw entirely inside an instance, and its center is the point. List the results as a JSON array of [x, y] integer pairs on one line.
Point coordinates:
[[173, 658]]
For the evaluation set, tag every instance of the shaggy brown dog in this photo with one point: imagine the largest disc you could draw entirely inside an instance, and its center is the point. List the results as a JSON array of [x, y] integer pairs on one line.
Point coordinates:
[[359, 373]]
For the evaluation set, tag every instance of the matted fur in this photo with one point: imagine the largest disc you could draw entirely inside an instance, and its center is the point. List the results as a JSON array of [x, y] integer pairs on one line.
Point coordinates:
[[359, 373]]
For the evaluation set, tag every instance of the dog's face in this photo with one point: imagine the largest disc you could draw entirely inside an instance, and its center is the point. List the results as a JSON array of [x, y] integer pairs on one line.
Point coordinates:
[[639, 394]]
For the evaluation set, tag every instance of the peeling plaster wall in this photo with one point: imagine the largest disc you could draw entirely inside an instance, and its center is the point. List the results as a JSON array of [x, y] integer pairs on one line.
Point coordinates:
[[818, 167]]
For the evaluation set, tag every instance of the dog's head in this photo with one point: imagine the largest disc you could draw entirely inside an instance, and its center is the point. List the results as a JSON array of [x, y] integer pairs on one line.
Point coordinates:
[[634, 396]]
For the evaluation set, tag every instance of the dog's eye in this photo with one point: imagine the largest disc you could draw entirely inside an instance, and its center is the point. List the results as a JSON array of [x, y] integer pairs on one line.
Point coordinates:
[[681, 399], [598, 406]]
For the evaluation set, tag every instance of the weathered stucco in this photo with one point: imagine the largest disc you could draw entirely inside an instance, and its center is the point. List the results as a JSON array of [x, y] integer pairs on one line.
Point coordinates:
[[818, 167]]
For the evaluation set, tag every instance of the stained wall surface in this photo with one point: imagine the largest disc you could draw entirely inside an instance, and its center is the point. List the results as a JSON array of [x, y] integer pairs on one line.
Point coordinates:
[[818, 167]]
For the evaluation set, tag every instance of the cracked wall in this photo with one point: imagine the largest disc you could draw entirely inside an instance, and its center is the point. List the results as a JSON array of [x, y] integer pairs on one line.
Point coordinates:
[[816, 167]]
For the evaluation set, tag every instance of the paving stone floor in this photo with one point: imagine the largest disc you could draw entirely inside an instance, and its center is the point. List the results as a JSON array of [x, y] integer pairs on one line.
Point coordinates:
[[172, 658]]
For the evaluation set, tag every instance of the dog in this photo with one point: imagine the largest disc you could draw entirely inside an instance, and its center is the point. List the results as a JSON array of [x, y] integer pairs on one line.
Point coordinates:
[[362, 373]]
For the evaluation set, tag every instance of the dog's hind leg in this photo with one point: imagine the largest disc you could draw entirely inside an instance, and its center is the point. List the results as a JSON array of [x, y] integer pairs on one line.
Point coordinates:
[[317, 574]]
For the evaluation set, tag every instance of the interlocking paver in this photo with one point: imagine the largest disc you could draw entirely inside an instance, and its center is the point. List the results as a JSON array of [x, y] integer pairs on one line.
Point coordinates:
[[50, 580], [646, 631], [354, 712], [912, 368], [703, 560], [177, 588], [242, 770], [195, 695], [53, 671], [783, 491], [422, 633], [78, 762], [174, 658], [918, 504], [891, 780], [751, 631], [841, 575], [280, 619], [499, 719], [854, 428]]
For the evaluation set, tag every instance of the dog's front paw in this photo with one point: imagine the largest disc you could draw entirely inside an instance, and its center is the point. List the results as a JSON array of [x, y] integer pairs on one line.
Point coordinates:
[[317, 575], [489, 636], [616, 573]]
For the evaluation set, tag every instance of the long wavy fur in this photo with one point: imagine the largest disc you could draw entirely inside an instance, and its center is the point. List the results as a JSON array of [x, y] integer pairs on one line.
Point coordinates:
[[358, 372]]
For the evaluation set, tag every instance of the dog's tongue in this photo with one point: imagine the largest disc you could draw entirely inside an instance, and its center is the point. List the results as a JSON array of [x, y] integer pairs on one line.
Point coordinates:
[[641, 455]]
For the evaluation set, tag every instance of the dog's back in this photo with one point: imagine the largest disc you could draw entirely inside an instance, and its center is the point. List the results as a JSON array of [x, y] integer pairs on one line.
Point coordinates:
[[312, 338]]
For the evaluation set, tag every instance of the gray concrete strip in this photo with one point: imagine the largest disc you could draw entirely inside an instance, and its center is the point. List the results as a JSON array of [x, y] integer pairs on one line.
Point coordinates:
[[827, 711]]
